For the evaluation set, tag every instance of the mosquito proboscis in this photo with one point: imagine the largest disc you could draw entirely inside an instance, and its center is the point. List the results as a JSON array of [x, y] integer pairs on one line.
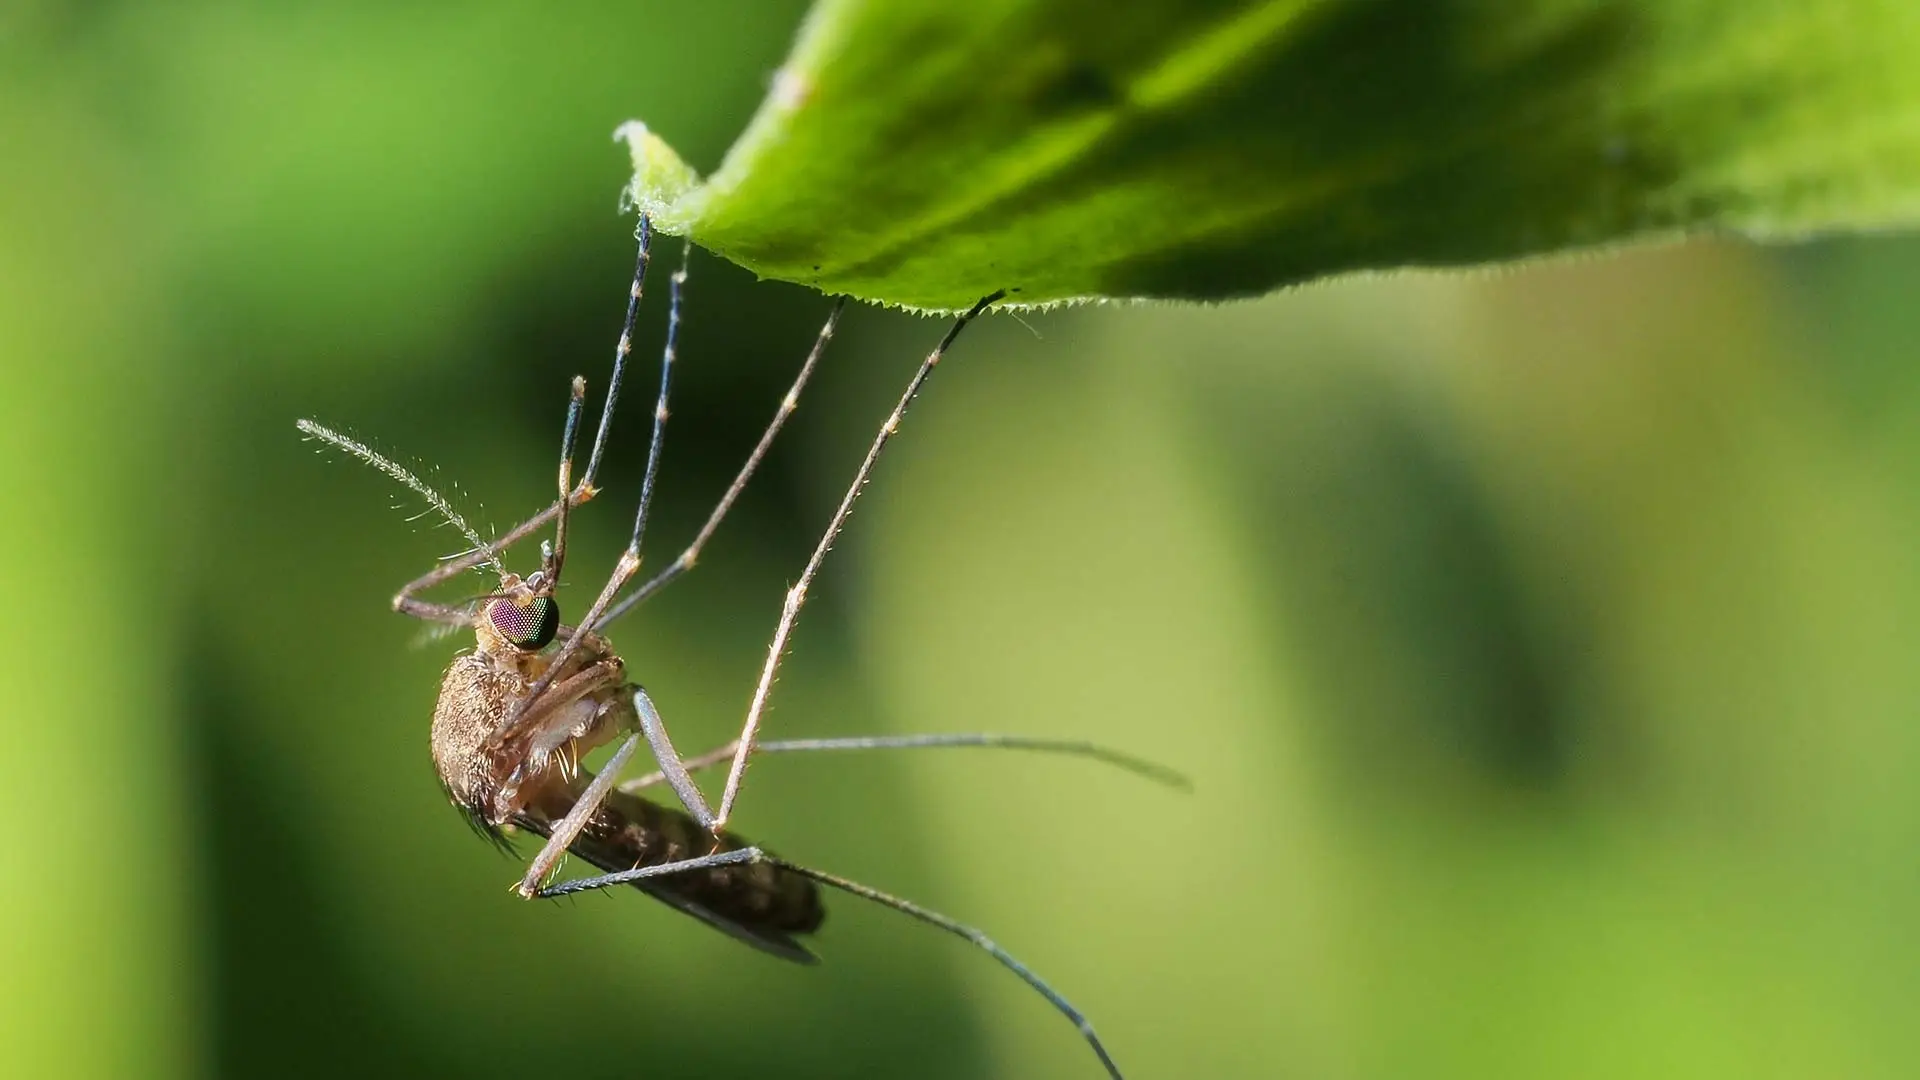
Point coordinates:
[[518, 713]]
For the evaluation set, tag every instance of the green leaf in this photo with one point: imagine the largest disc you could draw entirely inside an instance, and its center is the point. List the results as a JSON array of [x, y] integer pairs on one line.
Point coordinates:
[[924, 154]]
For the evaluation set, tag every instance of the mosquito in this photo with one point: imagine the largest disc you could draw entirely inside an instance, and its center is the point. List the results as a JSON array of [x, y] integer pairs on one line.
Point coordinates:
[[519, 712]]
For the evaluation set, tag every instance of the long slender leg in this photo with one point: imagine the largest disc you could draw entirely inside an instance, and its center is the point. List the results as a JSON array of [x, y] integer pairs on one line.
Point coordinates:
[[686, 559], [865, 892], [405, 601], [556, 556], [568, 828], [682, 866], [797, 595], [671, 768], [629, 561], [667, 357], [643, 232], [602, 673], [1154, 771]]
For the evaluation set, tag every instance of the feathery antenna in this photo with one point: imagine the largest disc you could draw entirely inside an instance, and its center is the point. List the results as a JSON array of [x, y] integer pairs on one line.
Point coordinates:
[[399, 472]]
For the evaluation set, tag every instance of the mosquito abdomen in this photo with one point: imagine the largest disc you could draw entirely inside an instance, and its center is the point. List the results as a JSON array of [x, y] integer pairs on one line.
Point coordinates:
[[757, 902]]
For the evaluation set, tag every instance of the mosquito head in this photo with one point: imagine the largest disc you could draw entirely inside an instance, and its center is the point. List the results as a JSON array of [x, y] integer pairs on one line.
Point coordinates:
[[522, 615]]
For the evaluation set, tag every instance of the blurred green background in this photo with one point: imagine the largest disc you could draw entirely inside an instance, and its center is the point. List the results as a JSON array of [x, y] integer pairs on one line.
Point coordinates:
[[1540, 641]]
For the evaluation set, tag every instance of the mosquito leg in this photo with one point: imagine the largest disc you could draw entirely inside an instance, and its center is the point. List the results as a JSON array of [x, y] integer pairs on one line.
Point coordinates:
[[672, 769], [556, 556], [407, 602], [683, 866], [797, 595], [629, 562], [967, 933], [568, 828], [686, 559], [678, 284], [643, 232], [1154, 771], [690, 765], [428, 611], [652, 726], [602, 673], [905, 907], [489, 552]]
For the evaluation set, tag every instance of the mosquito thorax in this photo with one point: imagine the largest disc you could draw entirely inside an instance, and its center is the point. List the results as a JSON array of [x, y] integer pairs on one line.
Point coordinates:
[[492, 778]]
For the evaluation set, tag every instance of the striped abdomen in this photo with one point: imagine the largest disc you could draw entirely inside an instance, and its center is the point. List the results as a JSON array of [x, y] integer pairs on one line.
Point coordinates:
[[761, 904]]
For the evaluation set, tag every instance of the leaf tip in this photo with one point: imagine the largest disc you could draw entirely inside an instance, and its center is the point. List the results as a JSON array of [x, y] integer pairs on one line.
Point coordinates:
[[661, 178]]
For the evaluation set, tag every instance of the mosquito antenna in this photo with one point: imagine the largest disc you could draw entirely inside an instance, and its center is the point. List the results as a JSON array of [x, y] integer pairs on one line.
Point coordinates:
[[575, 403], [419, 487], [676, 285]]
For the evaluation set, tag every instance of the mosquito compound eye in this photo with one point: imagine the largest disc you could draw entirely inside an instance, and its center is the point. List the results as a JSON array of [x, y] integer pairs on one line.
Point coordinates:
[[530, 627]]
